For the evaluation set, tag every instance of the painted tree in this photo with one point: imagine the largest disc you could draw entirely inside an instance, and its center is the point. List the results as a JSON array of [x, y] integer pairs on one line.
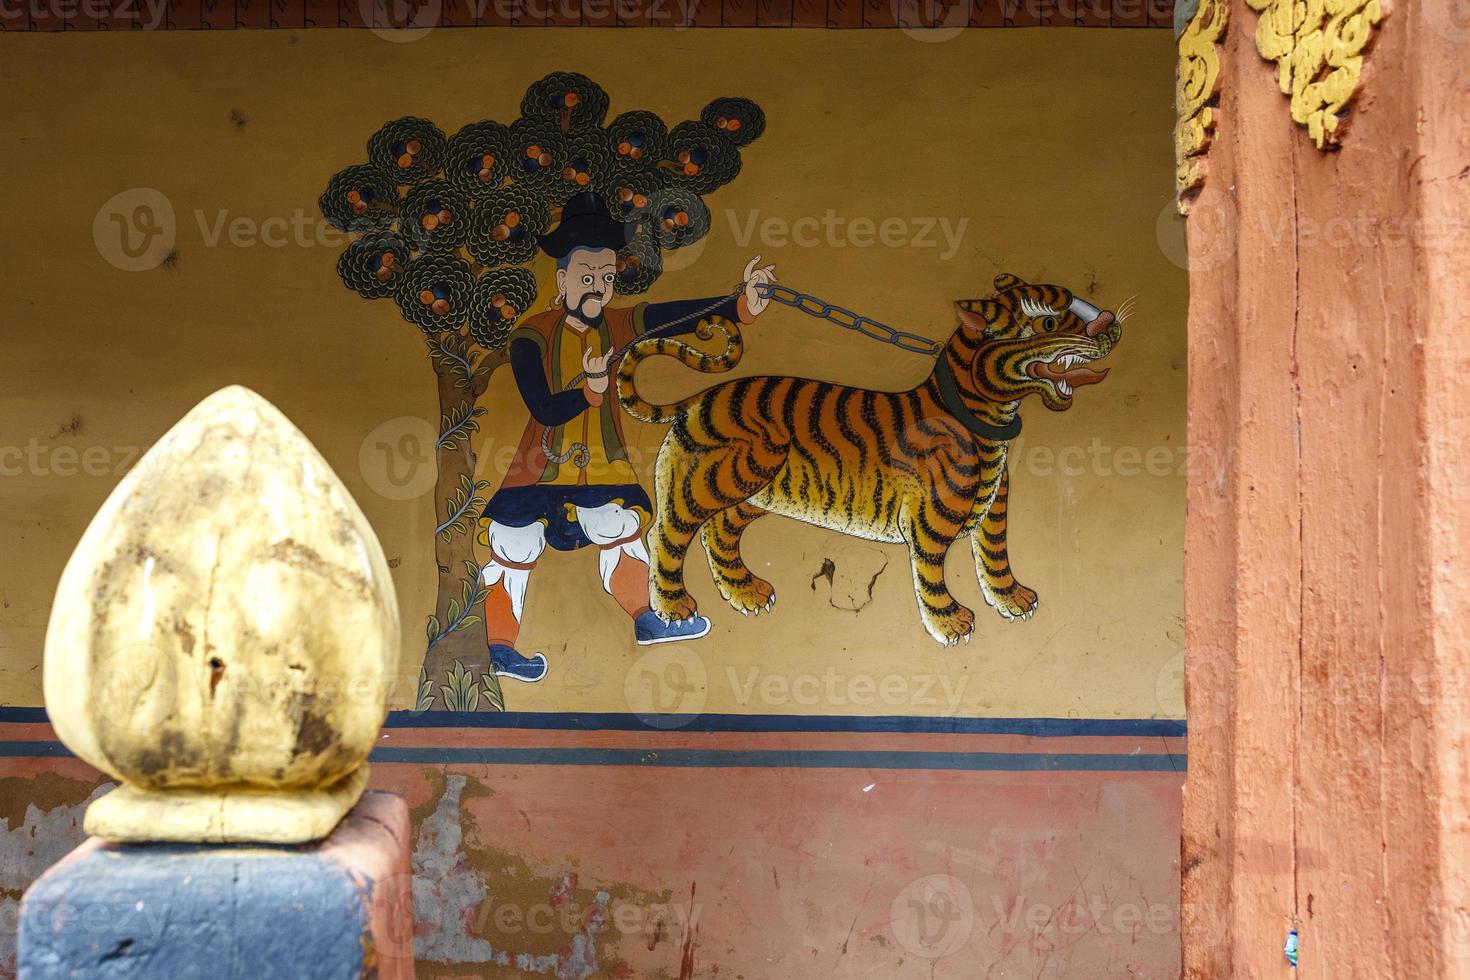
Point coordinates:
[[446, 229]]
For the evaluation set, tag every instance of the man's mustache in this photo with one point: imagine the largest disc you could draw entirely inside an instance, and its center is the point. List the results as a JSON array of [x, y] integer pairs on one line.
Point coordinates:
[[600, 297], [581, 309]]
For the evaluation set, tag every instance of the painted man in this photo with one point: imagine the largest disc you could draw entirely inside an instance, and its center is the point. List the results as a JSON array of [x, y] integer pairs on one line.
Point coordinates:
[[584, 491]]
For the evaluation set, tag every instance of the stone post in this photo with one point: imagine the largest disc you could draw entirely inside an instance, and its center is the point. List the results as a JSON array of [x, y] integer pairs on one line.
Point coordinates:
[[222, 644]]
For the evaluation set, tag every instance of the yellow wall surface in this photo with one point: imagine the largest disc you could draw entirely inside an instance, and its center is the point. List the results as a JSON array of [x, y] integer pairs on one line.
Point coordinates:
[[1045, 153]]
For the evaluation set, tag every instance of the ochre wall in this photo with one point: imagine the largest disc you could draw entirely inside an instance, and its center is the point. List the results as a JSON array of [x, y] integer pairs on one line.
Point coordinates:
[[1052, 148], [804, 851]]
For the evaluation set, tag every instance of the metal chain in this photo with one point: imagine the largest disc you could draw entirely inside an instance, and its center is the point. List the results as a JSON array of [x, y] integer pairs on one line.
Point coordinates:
[[805, 302], [848, 320]]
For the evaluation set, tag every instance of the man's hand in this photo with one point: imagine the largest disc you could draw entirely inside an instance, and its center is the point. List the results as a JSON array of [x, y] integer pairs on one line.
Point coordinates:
[[755, 302], [596, 370]]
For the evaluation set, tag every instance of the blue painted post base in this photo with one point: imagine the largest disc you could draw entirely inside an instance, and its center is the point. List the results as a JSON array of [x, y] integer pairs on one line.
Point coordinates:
[[340, 908]]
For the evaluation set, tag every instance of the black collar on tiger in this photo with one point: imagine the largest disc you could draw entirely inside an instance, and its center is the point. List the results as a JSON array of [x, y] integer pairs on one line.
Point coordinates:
[[585, 223], [949, 393]]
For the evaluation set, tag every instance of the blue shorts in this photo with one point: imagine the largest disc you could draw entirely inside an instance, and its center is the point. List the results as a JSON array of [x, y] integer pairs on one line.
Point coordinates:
[[520, 506]]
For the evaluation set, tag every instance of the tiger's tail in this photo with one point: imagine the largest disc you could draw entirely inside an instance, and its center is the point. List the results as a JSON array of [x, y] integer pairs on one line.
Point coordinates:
[[641, 408]]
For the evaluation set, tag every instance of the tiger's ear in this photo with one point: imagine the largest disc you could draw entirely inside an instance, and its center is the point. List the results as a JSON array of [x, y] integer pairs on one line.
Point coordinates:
[[1006, 281], [978, 314]]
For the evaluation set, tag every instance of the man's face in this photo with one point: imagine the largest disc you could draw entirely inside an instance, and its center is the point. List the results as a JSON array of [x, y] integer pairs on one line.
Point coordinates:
[[587, 282]]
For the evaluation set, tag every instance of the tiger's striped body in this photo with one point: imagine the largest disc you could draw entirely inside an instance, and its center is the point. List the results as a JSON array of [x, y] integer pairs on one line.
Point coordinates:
[[912, 466]]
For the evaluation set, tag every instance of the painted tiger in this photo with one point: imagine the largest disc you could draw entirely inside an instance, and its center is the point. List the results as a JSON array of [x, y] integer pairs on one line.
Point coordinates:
[[921, 467]]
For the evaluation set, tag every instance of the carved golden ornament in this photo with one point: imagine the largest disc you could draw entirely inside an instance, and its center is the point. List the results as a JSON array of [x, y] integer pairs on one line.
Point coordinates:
[[224, 637], [1318, 48], [1196, 95]]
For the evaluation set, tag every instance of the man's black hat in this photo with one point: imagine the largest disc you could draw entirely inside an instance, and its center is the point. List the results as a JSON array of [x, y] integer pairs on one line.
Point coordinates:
[[585, 223]]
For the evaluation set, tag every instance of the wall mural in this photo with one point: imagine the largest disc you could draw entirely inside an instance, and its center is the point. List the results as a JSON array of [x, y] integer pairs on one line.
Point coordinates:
[[454, 230]]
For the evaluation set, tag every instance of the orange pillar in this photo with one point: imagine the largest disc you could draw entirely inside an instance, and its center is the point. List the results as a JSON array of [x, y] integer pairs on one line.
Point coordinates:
[[1327, 581]]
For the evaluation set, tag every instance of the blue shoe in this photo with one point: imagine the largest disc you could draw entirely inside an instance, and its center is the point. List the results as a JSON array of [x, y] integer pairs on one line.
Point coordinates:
[[506, 662], [648, 628]]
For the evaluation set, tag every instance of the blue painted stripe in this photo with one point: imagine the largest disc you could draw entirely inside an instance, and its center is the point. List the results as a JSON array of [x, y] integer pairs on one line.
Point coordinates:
[[609, 721], [27, 716], [898, 724], [625, 722], [34, 750], [738, 759]]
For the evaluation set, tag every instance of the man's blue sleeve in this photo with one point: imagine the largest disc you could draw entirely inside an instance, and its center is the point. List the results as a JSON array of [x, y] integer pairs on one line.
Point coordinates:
[[546, 407], [657, 315]]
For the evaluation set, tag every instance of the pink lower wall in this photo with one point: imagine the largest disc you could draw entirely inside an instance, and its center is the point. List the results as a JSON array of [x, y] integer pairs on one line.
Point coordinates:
[[589, 851]]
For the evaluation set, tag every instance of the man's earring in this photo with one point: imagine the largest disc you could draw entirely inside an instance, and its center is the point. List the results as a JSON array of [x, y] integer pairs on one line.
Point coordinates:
[[558, 300]]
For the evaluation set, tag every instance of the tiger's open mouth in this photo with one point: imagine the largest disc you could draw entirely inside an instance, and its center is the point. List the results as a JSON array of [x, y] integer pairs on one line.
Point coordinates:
[[1067, 371]]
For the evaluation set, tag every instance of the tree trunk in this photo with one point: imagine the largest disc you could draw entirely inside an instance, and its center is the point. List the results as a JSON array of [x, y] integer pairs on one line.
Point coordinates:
[[456, 657]]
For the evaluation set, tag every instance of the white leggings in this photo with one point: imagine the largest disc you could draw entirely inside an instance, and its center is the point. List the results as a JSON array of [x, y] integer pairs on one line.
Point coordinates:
[[603, 526]]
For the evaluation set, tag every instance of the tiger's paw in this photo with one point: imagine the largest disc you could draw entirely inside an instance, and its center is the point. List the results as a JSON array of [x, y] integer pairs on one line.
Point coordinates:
[[950, 629], [1017, 605], [750, 598], [674, 607]]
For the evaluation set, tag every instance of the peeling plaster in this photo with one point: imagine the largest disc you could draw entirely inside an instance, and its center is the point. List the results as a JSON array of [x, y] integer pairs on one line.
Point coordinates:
[[850, 574], [41, 839]]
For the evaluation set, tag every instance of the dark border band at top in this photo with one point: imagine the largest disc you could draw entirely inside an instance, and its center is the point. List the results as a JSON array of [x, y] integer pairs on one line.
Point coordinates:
[[289, 15]]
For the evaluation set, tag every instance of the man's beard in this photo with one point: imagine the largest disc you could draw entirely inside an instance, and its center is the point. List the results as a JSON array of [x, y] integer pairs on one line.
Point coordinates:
[[591, 320]]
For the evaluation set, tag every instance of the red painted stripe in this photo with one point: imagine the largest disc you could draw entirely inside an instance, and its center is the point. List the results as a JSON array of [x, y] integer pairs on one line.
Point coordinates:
[[812, 741]]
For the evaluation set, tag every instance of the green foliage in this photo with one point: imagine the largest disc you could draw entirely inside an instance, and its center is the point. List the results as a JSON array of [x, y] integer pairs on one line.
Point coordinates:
[[460, 692], [458, 611], [460, 507], [452, 352], [457, 424], [425, 699], [494, 696]]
